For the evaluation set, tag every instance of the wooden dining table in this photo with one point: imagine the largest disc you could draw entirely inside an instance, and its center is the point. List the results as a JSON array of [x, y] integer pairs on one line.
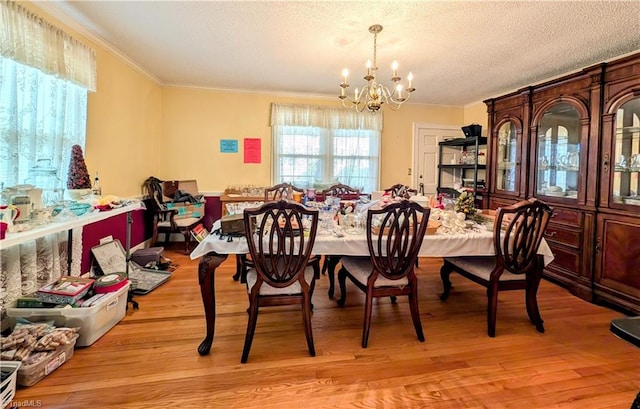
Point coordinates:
[[215, 249]]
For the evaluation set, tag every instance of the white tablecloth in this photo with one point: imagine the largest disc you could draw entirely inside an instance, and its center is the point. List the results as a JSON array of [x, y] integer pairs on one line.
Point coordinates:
[[436, 245]]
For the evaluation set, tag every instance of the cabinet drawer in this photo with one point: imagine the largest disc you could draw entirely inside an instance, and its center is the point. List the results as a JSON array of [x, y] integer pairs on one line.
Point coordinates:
[[569, 238], [567, 217], [564, 259]]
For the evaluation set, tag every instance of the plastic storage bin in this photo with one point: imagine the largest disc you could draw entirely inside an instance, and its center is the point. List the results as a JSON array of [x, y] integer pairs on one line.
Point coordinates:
[[8, 386], [29, 375], [93, 321]]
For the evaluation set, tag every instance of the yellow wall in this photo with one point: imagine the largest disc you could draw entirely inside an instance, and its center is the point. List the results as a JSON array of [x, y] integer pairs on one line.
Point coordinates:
[[123, 121], [195, 120], [123, 127], [477, 113], [137, 128]]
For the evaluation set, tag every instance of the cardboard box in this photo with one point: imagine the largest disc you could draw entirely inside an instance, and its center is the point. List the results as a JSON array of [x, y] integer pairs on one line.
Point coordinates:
[[185, 210], [232, 224]]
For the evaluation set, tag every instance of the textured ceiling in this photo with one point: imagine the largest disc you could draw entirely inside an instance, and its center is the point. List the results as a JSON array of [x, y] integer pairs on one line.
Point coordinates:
[[460, 52]]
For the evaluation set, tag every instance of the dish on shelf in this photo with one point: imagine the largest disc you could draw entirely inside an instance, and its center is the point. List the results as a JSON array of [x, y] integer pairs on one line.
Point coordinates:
[[555, 194], [635, 200], [572, 193]]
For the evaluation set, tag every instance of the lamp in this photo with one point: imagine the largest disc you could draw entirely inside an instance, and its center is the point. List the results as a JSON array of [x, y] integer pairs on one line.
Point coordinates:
[[373, 95]]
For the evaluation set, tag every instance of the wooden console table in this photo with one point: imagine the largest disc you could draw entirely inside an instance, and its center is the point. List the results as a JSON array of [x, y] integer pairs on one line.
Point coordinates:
[[14, 239], [232, 198]]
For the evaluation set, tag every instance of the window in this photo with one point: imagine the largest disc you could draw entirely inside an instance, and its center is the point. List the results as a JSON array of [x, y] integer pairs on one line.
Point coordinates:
[[41, 117], [44, 78], [322, 145]]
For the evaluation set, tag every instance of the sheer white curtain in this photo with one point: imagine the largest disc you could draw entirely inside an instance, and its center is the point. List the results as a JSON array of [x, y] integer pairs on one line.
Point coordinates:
[[44, 78], [28, 39], [320, 144], [41, 118]]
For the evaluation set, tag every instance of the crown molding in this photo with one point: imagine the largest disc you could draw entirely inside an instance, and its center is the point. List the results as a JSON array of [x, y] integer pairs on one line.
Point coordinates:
[[50, 8]]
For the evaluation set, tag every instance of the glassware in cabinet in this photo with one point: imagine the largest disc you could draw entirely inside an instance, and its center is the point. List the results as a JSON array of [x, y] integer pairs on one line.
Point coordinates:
[[626, 181], [506, 172], [558, 152]]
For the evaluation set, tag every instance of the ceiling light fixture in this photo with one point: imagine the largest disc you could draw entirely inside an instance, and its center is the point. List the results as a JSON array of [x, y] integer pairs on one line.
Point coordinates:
[[373, 95]]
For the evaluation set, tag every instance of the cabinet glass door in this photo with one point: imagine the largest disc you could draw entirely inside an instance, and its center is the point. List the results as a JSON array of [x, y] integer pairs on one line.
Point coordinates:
[[507, 171], [626, 185], [558, 152]]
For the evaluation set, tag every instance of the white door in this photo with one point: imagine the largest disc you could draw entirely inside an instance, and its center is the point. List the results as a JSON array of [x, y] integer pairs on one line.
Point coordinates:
[[425, 148]]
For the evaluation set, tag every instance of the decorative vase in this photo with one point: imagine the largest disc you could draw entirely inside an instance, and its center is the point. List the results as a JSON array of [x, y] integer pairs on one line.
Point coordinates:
[[78, 194]]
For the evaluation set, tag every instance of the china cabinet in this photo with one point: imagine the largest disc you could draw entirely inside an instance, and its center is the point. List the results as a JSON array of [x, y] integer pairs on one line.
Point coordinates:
[[574, 142], [561, 149], [507, 171], [616, 275], [463, 163]]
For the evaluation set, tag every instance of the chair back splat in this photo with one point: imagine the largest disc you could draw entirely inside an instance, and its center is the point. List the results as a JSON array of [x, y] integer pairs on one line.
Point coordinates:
[[343, 192], [281, 271], [281, 191], [401, 190], [517, 234], [517, 245], [395, 242], [394, 236]]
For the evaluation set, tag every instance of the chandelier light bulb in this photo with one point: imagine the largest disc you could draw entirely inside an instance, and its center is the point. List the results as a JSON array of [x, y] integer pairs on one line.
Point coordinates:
[[374, 94]]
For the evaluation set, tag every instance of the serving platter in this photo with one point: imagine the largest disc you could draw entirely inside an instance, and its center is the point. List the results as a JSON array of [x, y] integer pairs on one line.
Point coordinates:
[[555, 194]]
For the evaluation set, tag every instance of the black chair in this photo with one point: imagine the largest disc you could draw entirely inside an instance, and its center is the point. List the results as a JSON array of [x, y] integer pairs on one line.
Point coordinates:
[[401, 190], [281, 270], [517, 233], [343, 192], [166, 220], [389, 270]]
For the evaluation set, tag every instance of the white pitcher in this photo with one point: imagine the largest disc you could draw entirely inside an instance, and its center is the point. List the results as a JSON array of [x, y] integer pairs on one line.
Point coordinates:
[[8, 214]]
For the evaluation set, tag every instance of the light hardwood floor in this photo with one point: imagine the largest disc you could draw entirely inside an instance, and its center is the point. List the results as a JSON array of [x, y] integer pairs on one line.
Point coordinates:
[[149, 360]]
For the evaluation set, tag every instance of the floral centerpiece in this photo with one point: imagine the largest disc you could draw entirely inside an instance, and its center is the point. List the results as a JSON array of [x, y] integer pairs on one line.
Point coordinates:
[[78, 180], [466, 203]]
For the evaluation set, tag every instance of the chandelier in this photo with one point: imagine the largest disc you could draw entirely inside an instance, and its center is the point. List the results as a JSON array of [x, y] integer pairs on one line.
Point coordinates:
[[373, 95]]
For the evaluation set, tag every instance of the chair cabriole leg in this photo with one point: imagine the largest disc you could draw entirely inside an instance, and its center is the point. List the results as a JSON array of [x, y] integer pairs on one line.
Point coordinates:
[[492, 309], [367, 319], [251, 329], [306, 315], [415, 312], [342, 280], [445, 273], [533, 311]]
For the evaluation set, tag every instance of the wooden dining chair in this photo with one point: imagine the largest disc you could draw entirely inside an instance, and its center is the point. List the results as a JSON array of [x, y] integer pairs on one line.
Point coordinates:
[[343, 192], [281, 191], [281, 270], [517, 233], [394, 237], [166, 219], [402, 190]]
